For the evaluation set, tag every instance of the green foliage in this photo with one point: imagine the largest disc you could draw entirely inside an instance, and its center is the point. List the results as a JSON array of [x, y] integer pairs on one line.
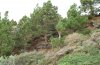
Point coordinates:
[[56, 42], [85, 31], [75, 21], [7, 60], [40, 23], [45, 18], [60, 26], [88, 5], [32, 58], [24, 32], [6, 36], [36, 19], [13, 23], [91, 6]]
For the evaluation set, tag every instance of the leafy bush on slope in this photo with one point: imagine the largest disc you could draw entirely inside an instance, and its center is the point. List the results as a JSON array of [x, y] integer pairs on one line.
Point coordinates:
[[56, 42], [80, 59]]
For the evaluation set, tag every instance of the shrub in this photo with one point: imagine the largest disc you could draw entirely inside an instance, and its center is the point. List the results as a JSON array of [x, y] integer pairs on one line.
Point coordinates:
[[7, 60], [44, 61], [75, 21], [80, 59], [56, 42], [85, 31], [32, 58], [92, 50]]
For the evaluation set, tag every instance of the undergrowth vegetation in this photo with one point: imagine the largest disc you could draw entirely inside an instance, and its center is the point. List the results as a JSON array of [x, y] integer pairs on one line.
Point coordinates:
[[56, 42], [89, 55], [31, 58]]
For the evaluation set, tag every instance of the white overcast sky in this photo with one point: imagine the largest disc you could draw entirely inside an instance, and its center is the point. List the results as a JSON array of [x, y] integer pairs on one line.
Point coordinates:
[[19, 8]]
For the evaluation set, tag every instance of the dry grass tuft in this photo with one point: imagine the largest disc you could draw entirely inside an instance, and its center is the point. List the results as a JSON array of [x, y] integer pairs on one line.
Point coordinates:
[[74, 39]]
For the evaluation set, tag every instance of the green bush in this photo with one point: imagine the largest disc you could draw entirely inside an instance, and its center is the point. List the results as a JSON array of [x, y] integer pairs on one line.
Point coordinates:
[[7, 60], [56, 42], [80, 59], [75, 21], [89, 55], [85, 31], [32, 58]]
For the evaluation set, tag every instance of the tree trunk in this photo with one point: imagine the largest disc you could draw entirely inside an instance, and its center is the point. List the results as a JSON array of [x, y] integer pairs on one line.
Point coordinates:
[[46, 39], [59, 33]]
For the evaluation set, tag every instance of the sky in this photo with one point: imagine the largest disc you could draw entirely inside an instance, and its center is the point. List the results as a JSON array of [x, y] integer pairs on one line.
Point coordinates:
[[18, 8]]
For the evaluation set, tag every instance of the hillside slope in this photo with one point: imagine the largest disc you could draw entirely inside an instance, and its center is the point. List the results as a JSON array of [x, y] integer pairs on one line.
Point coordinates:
[[56, 56]]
